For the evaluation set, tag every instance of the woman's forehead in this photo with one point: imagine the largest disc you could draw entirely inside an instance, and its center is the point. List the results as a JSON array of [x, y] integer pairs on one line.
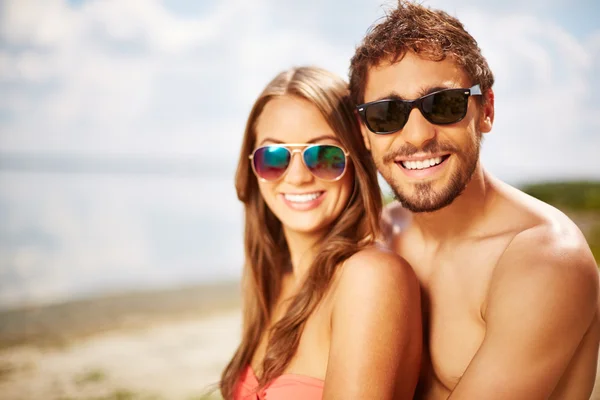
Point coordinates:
[[289, 119]]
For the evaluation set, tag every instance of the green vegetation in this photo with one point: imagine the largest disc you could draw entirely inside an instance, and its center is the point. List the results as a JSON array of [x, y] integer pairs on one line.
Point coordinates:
[[568, 196], [92, 376], [579, 200], [593, 238]]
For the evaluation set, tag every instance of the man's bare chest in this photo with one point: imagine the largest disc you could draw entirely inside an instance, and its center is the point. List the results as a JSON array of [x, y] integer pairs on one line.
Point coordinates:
[[454, 287]]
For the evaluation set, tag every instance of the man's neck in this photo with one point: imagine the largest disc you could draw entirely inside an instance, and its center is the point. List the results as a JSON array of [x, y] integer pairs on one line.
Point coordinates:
[[459, 218]]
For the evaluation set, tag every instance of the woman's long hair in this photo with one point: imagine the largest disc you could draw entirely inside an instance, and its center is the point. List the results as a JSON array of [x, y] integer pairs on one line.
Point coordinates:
[[266, 250]]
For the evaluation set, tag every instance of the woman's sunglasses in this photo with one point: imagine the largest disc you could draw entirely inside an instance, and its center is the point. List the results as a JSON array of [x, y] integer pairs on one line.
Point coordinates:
[[325, 161], [444, 107]]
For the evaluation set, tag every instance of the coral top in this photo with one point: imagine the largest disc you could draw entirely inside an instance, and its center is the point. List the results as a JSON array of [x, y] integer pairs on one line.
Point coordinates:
[[284, 387]]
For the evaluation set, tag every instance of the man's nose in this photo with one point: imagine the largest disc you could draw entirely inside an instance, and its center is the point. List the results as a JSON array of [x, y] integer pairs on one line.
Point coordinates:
[[417, 131]]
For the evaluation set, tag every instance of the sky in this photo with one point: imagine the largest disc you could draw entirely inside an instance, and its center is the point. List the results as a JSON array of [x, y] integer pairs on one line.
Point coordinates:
[[121, 122]]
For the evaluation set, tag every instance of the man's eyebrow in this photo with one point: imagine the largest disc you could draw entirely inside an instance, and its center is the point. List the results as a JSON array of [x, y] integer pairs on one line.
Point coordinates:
[[389, 96], [318, 138], [422, 92]]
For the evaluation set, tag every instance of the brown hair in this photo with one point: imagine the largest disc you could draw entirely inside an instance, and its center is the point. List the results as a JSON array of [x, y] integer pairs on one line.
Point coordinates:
[[432, 34], [266, 250]]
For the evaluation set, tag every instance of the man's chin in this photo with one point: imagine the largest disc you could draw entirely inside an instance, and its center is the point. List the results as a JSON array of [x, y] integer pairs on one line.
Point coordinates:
[[417, 204], [421, 208]]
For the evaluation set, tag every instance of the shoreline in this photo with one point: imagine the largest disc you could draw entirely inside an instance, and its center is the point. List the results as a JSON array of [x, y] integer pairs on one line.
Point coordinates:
[[57, 325]]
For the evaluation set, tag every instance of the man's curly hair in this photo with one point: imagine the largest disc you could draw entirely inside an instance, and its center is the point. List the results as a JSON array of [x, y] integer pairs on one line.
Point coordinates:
[[432, 34]]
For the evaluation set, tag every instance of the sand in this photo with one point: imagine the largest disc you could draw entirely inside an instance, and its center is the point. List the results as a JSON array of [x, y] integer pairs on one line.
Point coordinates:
[[178, 360], [170, 345]]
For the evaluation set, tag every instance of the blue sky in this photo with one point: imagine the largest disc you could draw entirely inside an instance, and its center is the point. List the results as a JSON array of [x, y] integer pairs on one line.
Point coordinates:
[[172, 82]]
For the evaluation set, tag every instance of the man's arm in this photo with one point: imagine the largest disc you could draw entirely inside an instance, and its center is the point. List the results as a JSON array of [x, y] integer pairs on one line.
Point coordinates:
[[376, 337], [542, 300]]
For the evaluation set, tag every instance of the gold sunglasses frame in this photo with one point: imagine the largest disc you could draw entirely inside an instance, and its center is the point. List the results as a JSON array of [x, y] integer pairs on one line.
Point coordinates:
[[293, 148]]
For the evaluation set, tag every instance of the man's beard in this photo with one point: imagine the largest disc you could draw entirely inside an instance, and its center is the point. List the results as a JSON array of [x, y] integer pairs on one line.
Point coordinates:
[[424, 198]]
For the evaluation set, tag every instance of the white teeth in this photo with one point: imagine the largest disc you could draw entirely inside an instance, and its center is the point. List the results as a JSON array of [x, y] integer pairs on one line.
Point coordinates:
[[422, 164], [301, 198]]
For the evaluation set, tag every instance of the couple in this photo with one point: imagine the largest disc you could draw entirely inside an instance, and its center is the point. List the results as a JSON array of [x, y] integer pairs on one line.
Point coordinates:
[[468, 290]]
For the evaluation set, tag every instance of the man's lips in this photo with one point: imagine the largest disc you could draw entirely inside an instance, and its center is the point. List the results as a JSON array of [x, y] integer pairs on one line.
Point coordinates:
[[424, 167], [420, 157]]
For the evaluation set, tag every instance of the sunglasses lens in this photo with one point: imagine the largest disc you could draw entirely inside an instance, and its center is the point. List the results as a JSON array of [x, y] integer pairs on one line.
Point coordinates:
[[326, 162], [270, 162], [386, 116], [445, 107]]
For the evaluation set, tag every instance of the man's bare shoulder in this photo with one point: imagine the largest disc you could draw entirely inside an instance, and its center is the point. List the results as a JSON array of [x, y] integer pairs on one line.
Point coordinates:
[[545, 253], [554, 244], [548, 257], [543, 230], [543, 290]]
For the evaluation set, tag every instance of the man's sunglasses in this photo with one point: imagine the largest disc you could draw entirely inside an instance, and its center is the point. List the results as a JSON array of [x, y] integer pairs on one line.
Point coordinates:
[[325, 161], [444, 107]]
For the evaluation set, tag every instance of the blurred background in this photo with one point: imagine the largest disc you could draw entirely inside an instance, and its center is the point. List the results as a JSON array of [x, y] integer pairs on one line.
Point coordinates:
[[120, 126]]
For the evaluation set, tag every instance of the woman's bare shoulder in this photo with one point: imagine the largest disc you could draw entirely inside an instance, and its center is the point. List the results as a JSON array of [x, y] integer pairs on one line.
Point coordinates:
[[379, 271]]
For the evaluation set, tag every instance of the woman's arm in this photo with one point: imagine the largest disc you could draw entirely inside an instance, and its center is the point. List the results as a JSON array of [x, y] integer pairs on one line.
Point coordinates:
[[376, 333]]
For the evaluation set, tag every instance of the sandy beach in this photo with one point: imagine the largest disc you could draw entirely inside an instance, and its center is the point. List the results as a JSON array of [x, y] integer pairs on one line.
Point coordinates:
[[178, 360], [175, 353], [157, 345]]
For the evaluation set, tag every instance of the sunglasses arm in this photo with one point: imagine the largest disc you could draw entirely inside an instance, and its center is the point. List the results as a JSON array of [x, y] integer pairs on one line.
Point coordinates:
[[475, 90]]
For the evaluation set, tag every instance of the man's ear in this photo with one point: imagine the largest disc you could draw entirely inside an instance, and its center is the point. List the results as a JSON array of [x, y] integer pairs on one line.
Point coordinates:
[[363, 130], [487, 117]]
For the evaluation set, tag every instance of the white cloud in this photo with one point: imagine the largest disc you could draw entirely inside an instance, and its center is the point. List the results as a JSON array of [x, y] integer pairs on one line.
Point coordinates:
[[542, 99], [131, 77]]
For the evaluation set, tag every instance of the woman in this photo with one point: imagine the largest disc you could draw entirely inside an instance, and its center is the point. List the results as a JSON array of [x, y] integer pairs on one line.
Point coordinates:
[[327, 314]]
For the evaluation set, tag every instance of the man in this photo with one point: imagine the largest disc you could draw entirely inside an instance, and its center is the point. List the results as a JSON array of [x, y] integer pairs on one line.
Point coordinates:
[[509, 284]]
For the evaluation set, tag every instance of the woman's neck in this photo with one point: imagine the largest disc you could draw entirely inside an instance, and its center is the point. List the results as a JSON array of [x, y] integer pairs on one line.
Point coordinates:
[[302, 247]]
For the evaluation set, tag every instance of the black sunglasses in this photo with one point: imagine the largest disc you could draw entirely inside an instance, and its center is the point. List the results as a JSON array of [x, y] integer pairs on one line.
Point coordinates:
[[444, 107]]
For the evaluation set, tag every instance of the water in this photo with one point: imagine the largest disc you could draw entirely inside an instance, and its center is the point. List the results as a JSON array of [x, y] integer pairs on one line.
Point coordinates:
[[68, 235]]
